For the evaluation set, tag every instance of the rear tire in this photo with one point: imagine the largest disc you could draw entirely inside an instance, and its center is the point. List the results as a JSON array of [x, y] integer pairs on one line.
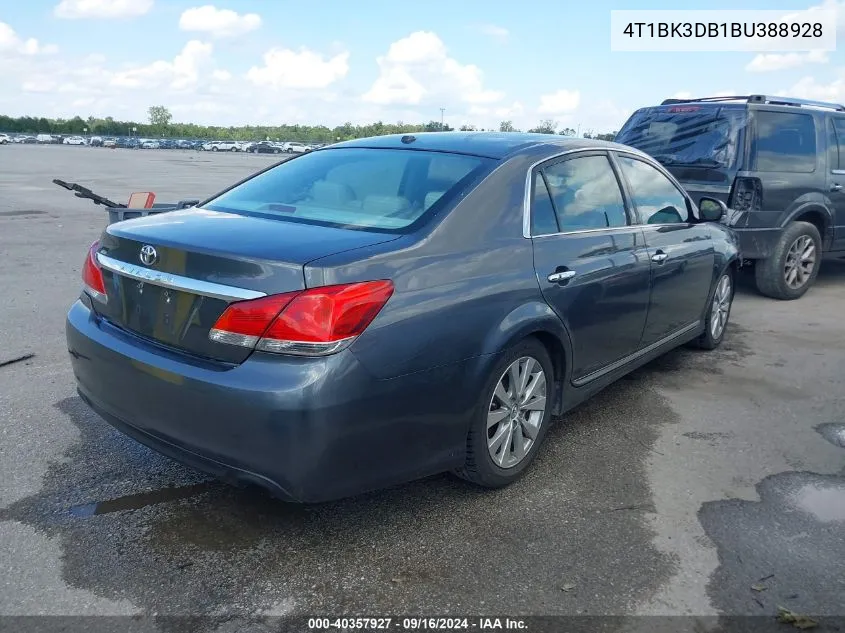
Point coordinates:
[[793, 266], [506, 433]]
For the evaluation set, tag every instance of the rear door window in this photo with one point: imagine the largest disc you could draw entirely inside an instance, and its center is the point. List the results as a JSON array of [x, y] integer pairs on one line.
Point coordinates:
[[784, 142], [586, 194]]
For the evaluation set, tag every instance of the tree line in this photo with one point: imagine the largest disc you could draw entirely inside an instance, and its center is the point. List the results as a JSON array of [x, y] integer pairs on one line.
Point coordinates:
[[160, 124]]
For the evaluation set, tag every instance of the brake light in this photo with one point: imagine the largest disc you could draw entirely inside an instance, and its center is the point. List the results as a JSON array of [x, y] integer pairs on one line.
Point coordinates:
[[746, 195], [313, 322], [92, 276]]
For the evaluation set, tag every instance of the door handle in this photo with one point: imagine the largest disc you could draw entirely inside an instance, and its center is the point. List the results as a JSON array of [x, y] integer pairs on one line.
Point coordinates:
[[564, 275], [836, 187], [659, 257]]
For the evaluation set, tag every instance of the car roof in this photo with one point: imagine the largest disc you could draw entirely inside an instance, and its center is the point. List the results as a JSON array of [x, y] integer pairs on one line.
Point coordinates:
[[498, 145]]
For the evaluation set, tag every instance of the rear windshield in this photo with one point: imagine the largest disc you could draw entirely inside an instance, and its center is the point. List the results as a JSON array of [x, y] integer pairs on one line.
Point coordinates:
[[369, 189], [689, 135]]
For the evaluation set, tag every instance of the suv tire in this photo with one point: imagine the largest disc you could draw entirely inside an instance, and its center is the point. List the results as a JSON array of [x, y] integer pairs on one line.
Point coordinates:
[[796, 257]]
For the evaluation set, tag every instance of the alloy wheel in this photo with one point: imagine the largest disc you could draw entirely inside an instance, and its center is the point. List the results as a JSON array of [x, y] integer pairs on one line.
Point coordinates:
[[516, 412], [721, 308], [800, 262]]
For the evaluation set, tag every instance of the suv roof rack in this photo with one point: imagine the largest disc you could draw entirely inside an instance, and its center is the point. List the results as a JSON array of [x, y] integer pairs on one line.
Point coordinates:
[[787, 101]]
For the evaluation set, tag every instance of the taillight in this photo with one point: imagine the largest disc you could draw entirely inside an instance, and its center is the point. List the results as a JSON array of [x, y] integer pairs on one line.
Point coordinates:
[[92, 276], [746, 195], [313, 322]]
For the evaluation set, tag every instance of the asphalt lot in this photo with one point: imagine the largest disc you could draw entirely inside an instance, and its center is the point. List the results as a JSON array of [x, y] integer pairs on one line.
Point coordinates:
[[672, 492]]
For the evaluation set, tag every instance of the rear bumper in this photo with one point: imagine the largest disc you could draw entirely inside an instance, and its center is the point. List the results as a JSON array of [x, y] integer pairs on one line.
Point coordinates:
[[308, 430], [757, 243]]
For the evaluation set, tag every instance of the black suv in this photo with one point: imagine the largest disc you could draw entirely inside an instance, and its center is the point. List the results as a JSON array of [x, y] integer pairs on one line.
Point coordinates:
[[778, 163]]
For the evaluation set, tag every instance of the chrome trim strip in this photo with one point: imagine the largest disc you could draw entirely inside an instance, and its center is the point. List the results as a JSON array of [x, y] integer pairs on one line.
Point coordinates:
[[838, 172], [177, 282], [580, 382], [526, 202]]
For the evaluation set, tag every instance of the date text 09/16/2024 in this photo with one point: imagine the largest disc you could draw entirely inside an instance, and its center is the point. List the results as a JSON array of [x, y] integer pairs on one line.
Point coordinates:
[[416, 624]]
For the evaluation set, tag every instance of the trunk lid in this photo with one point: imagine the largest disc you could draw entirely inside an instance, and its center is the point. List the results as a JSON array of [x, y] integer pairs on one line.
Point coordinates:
[[201, 261]]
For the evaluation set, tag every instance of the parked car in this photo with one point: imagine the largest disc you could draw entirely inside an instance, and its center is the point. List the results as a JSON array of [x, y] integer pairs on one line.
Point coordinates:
[[166, 143], [5, 138], [395, 307], [44, 139], [149, 144], [221, 146], [110, 142], [128, 143], [778, 162], [183, 144], [74, 140], [96, 141], [264, 147], [25, 139], [294, 148]]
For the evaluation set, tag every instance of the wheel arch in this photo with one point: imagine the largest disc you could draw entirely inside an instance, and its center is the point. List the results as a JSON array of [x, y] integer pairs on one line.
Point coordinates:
[[817, 215], [534, 319]]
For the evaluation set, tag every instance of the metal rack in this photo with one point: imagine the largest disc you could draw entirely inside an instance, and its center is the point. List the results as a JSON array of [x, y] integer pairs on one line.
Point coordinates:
[[763, 99]]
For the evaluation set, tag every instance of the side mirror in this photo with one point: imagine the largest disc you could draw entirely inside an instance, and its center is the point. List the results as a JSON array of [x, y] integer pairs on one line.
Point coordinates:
[[712, 210]]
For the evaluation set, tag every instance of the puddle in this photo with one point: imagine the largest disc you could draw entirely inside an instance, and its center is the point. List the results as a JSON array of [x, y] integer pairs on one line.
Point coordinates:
[[833, 432], [826, 503], [140, 500]]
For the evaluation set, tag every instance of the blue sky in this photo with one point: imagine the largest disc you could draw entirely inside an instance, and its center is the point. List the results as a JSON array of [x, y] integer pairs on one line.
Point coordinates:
[[277, 61]]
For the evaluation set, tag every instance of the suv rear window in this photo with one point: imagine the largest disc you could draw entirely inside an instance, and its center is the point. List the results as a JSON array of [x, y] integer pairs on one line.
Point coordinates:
[[357, 188], [785, 142], [686, 134]]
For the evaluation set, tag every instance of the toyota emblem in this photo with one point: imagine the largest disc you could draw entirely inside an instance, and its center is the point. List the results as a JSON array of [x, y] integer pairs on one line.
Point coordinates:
[[148, 255]]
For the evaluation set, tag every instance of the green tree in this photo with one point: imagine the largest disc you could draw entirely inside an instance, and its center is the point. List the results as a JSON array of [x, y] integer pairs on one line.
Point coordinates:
[[159, 117], [507, 126], [547, 126], [567, 131]]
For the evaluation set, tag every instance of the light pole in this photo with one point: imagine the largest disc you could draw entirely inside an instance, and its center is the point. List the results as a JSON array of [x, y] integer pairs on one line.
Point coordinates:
[[442, 111], [85, 132]]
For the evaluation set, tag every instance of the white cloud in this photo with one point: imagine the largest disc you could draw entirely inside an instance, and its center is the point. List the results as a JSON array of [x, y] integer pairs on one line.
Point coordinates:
[[218, 22], [495, 31], [284, 68], [810, 88], [808, 15], [769, 62], [418, 69], [221, 75], [560, 102], [108, 9], [12, 44], [180, 74]]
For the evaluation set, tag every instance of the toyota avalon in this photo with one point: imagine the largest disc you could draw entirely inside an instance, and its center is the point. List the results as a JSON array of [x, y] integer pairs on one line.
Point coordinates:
[[389, 308]]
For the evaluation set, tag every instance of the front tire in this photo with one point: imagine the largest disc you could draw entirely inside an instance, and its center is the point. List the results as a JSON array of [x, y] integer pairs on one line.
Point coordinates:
[[718, 313], [512, 417], [793, 266]]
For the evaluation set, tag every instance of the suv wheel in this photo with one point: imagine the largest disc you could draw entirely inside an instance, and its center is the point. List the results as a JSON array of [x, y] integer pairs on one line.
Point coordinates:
[[511, 418], [793, 267]]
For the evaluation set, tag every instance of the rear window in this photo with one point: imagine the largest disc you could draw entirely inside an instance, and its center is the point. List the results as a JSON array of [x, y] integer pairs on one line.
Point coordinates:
[[686, 135], [785, 142], [358, 188]]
